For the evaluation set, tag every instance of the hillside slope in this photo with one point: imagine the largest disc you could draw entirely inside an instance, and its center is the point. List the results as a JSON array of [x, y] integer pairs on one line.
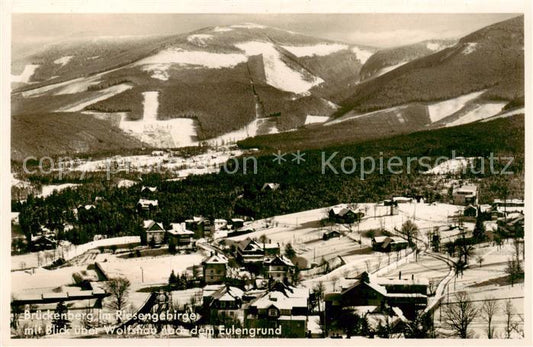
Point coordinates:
[[218, 82], [490, 59]]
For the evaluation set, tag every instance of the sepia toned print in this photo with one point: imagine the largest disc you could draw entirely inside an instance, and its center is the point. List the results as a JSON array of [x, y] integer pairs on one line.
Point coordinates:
[[268, 176]]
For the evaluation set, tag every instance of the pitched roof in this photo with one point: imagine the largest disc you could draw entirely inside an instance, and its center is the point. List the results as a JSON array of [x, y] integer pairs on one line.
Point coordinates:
[[150, 224], [279, 260], [216, 259]]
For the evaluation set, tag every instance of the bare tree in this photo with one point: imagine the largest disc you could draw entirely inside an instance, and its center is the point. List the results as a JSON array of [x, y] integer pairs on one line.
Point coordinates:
[[510, 324], [410, 230], [459, 314], [489, 308], [118, 288]]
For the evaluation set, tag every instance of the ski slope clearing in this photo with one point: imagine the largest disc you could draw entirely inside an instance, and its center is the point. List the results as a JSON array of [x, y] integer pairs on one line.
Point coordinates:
[[362, 54], [99, 96], [480, 112], [315, 119], [278, 73], [63, 60], [26, 74], [316, 50], [177, 132], [443, 109], [194, 58]]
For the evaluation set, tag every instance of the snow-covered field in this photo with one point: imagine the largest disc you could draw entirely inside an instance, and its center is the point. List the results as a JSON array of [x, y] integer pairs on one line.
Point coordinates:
[[443, 109], [26, 74], [155, 270], [47, 190], [315, 50], [278, 73], [480, 112]]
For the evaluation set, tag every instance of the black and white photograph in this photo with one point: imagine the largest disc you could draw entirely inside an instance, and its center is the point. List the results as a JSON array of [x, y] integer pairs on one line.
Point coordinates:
[[340, 176]]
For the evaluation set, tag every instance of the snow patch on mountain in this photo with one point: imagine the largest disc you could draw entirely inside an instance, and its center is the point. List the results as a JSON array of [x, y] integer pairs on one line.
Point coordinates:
[[222, 29], [443, 109], [389, 69], [361, 54], [322, 49], [478, 113], [194, 58], [248, 26], [278, 73], [315, 119], [199, 39], [470, 47], [26, 74], [63, 60]]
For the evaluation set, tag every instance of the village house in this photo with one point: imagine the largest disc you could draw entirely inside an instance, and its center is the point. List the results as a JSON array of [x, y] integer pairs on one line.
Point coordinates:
[[42, 242], [215, 268], [407, 294], [465, 195], [345, 214], [331, 234], [154, 231], [250, 251], [181, 236], [388, 243], [222, 301], [147, 204], [278, 268], [281, 306]]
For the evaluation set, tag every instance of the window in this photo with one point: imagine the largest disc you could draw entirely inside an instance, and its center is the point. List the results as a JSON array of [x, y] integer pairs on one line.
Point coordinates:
[[273, 312]]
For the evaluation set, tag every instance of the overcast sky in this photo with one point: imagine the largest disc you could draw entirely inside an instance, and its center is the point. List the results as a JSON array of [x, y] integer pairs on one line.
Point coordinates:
[[379, 30]]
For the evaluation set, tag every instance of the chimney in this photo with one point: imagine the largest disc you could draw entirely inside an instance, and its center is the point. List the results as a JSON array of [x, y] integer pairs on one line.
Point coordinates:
[[400, 275]]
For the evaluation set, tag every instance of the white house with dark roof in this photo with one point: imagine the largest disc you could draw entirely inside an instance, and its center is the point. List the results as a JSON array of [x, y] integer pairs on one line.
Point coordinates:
[[154, 230], [183, 237], [282, 306], [215, 267], [279, 267]]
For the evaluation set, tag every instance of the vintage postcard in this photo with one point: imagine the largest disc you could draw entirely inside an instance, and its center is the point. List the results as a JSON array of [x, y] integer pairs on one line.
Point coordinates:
[[266, 173]]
